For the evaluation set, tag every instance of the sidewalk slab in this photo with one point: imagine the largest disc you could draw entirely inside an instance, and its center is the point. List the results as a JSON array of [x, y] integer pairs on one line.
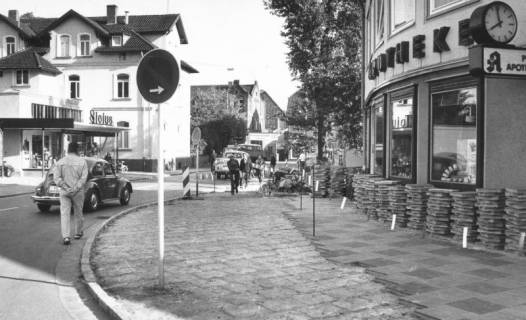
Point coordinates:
[[434, 273]]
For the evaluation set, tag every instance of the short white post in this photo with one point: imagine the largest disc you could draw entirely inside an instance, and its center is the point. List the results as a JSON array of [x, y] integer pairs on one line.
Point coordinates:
[[465, 237], [343, 203], [317, 184], [393, 222], [310, 180]]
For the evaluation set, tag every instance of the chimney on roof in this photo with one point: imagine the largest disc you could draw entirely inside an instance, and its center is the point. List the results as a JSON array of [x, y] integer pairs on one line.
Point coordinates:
[[111, 14], [126, 17], [236, 82], [13, 16]]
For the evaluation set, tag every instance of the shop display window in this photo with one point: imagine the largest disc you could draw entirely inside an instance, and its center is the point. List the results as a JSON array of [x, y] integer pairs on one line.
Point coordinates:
[[454, 134], [402, 138]]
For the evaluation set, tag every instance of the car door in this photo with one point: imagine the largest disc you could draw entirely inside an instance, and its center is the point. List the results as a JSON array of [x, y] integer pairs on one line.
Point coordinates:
[[110, 183]]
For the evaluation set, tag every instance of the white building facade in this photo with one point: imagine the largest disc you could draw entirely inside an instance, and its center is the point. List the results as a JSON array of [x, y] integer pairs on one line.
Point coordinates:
[[73, 78]]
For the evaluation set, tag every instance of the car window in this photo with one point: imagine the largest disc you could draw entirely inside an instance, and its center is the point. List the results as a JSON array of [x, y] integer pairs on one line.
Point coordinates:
[[108, 170], [97, 170]]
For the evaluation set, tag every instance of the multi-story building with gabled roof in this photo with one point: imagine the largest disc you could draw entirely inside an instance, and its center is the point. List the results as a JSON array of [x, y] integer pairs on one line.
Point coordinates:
[[73, 78]]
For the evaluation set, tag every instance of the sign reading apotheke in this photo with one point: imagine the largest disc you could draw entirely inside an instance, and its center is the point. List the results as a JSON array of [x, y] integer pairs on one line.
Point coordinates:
[[100, 118], [498, 61]]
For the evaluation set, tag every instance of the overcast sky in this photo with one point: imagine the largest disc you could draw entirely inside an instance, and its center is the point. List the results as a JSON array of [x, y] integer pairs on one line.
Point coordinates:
[[222, 34]]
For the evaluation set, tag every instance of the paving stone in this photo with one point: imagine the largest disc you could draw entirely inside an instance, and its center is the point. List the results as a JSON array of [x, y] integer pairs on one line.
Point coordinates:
[[476, 305], [391, 252], [424, 273], [482, 288], [487, 273]]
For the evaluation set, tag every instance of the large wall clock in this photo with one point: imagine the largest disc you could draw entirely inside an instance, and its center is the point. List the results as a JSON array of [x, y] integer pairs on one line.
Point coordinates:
[[494, 23]]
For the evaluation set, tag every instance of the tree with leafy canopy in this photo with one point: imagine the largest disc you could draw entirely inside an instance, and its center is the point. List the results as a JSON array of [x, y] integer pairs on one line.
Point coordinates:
[[324, 40], [210, 103], [221, 132]]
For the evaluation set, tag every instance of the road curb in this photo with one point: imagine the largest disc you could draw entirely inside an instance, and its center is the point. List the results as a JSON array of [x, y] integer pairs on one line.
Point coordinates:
[[15, 194], [111, 305]]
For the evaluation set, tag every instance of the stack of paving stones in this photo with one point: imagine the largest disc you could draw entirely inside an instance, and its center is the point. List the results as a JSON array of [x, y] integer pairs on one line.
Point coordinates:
[[398, 203], [464, 215], [417, 205], [370, 200], [490, 206], [383, 208], [338, 176], [349, 191], [322, 175], [515, 217], [359, 193], [438, 218]]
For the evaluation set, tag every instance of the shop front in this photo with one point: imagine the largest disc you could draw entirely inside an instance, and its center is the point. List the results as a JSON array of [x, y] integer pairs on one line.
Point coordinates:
[[36, 144]]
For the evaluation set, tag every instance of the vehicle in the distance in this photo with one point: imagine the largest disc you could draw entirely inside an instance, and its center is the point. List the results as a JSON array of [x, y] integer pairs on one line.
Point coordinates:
[[220, 164], [254, 150], [102, 185]]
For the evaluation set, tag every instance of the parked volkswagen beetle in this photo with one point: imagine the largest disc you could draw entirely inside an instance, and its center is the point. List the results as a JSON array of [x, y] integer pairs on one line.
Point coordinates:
[[102, 185]]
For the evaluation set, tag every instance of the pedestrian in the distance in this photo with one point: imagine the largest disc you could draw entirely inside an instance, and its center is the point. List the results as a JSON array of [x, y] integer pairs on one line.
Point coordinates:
[[260, 165], [70, 176], [301, 161], [233, 168], [272, 164], [242, 170]]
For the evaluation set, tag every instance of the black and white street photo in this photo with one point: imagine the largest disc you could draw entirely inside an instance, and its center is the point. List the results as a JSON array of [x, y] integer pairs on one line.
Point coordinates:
[[263, 160]]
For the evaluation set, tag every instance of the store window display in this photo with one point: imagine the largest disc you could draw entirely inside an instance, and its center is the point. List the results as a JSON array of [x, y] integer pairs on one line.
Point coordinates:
[[454, 134], [402, 138]]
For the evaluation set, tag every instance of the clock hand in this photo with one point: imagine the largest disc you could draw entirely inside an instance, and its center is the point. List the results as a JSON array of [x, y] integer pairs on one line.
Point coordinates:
[[498, 15], [496, 25]]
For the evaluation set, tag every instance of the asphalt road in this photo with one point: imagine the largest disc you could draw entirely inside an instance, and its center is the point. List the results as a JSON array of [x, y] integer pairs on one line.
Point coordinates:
[[30, 250]]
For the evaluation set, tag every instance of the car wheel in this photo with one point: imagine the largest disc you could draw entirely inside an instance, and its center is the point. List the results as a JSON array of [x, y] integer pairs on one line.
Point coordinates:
[[43, 207], [125, 196], [92, 200]]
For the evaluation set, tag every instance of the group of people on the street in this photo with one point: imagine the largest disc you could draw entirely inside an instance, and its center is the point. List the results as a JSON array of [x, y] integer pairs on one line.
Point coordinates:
[[241, 171]]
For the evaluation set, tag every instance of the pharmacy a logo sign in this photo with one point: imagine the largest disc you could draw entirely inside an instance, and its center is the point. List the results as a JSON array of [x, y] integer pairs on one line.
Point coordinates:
[[494, 62]]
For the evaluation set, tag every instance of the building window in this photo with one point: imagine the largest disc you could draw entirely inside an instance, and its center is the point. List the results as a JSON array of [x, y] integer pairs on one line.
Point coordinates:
[[454, 134], [436, 6], [123, 86], [402, 14], [402, 138], [84, 40], [116, 41], [63, 46], [124, 136], [378, 138], [10, 45], [379, 19], [22, 77], [74, 86]]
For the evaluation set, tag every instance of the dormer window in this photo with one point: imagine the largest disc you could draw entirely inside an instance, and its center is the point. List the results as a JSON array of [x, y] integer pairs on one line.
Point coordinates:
[[22, 77], [10, 45], [116, 41], [63, 46], [84, 40]]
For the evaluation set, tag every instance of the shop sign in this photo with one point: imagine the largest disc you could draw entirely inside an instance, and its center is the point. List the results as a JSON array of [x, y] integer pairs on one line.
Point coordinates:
[[100, 118], [497, 61]]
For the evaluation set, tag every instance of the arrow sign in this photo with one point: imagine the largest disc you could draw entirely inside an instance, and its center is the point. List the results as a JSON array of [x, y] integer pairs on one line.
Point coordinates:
[[159, 90], [157, 76]]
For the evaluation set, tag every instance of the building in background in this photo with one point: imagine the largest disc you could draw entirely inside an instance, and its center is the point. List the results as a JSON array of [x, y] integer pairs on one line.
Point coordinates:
[[264, 118], [73, 78], [444, 92]]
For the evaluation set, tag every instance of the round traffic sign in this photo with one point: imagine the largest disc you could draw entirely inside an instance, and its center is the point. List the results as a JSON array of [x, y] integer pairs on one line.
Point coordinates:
[[157, 76], [196, 135]]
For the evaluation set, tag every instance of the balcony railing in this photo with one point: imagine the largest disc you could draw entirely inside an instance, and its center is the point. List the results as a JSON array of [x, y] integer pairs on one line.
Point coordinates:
[[42, 111]]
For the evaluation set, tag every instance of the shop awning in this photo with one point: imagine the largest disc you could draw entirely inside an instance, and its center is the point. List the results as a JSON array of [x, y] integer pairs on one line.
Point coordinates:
[[68, 125]]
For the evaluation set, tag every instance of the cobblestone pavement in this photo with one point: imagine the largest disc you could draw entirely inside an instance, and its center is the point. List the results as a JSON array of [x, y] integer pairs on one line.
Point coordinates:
[[232, 258]]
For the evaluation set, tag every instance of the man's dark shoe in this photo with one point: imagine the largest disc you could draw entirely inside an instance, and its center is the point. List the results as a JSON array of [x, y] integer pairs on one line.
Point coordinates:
[[79, 235], [66, 241]]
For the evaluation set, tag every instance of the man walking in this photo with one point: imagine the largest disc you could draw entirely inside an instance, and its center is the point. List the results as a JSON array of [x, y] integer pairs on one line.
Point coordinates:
[[233, 168], [70, 176]]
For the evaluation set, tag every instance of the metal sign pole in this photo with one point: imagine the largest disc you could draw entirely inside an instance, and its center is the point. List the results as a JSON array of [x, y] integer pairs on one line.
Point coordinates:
[[160, 196], [2, 154], [197, 170], [313, 204], [43, 146]]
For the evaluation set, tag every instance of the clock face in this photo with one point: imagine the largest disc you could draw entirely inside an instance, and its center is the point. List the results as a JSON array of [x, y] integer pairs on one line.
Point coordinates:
[[500, 22]]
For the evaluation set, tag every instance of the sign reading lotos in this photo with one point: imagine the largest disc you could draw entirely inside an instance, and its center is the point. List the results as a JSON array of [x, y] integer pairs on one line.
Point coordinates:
[[497, 61], [100, 118]]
